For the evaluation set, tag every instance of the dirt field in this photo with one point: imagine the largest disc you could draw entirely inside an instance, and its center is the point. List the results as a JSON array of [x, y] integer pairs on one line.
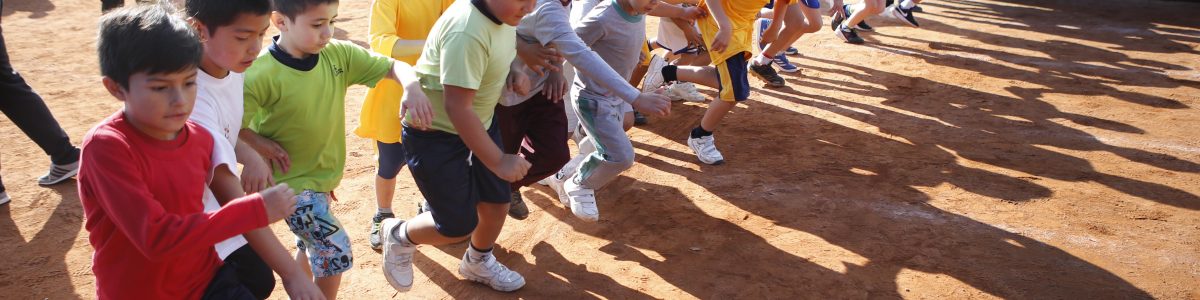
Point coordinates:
[[1006, 149]]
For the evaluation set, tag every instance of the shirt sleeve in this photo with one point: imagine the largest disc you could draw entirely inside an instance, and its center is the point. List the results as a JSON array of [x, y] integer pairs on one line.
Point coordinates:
[[365, 67], [117, 186], [223, 155], [254, 92], [554, 28], [463, 61], [382, 30]]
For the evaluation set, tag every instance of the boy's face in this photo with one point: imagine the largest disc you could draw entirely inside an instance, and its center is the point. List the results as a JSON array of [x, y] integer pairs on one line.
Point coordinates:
[[642, 7], [235, 46], [511, 11], [310, 30], [157, 104]]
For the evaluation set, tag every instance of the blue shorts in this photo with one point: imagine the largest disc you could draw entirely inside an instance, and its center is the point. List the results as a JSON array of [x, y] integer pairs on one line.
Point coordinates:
[[452, 179], [320, 235], [392, 158], [734, 80], [814, 4]]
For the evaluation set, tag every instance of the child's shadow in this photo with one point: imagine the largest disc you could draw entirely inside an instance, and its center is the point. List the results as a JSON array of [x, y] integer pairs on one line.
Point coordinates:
[[37, 268]]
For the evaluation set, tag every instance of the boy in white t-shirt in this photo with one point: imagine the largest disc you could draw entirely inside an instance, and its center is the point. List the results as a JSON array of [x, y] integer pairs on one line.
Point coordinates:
[[231, 33]]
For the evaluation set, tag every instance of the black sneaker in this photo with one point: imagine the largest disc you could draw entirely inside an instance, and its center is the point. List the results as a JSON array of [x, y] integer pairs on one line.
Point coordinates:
[[639, 119], [768, 74], [792, 51], [376, 241], [917, 9], [517, 209], [862, 25], [848, 35], [905, 15], [837, 20]]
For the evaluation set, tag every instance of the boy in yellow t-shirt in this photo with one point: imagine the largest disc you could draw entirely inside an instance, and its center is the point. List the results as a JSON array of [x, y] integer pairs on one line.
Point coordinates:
[[398, 29], [727, 31]]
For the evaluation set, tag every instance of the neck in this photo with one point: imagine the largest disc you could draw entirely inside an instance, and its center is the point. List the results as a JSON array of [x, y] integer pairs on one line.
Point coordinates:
[[154, 134], [291, 50], [628, 8], [211, 68]]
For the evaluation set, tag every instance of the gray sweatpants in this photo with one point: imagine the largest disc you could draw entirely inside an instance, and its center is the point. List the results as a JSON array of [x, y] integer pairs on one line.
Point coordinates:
[[601, 119]]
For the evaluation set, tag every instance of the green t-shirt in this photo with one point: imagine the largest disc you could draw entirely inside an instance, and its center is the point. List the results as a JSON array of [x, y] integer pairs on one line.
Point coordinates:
[[466, 49], [305, 111]]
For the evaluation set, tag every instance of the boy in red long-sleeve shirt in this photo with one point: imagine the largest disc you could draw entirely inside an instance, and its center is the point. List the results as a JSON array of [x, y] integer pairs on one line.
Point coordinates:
[[144, 170]]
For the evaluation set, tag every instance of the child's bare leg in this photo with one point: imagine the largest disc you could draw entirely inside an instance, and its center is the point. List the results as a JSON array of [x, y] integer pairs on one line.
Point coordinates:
[[302, 259], [716, 111], [385, 189], [799, 20], [491, 221], [868, 8], [329, 285], [706, 76]]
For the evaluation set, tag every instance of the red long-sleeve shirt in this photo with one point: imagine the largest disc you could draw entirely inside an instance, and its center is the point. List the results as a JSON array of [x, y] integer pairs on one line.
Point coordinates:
[[145, 218]]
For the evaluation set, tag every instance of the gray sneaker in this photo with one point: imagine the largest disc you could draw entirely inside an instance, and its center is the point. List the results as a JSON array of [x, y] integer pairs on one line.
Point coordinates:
[[376, 241], [59, 173], [517, 209], [4, 198]]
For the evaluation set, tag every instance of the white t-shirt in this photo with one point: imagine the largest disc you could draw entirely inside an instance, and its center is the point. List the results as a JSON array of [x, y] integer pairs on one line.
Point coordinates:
[[219, 110]]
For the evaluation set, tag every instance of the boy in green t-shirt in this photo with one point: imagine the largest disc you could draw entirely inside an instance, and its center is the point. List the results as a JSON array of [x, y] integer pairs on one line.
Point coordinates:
[[458, 164], [295, 118]]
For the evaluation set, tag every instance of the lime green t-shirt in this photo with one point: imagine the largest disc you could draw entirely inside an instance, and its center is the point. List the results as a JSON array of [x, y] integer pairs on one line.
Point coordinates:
[[302, 107], [466, 49]]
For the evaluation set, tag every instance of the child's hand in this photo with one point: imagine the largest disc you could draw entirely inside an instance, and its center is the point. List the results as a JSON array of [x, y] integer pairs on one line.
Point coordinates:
[[280, 201], [653, 103], [721, 41], [693, 35], [518, 83], [299, 288], [415, 109], [256, 175], [555, 87], [836, 8], [540, 59], [270, 151], [511, 167], [692, 13]]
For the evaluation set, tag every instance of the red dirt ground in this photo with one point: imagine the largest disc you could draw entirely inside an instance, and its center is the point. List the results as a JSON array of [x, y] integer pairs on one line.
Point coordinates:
[[1006, 149]]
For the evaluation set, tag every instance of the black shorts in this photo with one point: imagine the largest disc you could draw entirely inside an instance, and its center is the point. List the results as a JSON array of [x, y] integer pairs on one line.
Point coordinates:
[[452, 179]]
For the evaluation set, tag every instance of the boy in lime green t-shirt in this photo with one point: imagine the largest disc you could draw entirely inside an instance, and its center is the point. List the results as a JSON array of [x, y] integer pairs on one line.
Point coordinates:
[[295, 118]]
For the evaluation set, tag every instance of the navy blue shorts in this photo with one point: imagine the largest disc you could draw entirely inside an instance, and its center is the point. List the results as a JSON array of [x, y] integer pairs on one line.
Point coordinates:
[[732, 75], [452, 179], [392, 158], [814, 4]]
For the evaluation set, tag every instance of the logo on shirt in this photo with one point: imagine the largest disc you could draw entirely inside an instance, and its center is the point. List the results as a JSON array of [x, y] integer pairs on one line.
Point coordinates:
[[337, 70]]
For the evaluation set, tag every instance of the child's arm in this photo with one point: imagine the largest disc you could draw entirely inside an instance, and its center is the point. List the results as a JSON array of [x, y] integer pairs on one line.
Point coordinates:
[[414, 100], [270, 151], [225, 187], [256, 173], [382, 32], [725, 27], [665, 10], [120, 190], [509, 167]]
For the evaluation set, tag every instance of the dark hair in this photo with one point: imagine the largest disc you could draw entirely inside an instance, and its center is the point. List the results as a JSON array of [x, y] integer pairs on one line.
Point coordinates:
[[217, 13], [145, 38], [292, 8]]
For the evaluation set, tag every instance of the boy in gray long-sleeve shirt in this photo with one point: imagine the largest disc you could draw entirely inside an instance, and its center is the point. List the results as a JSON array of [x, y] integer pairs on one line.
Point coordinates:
[[614, 31]]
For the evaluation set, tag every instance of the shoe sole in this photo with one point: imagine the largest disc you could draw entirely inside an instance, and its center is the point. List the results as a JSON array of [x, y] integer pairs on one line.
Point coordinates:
[[70, 174], [480, 281], [654, 73]]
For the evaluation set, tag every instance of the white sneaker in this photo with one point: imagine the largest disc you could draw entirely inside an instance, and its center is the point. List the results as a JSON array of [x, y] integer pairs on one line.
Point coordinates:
[[490, 272], [654, 76], [706, 149], [4, 198], [556, 183], [397, 257], [583, 201], [684, 91]]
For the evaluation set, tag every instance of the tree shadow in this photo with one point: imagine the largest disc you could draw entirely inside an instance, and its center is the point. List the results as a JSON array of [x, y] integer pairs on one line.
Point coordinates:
[[37, 268], [37, 9]]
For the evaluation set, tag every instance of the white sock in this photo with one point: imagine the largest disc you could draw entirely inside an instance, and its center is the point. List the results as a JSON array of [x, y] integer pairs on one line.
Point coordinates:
[[385, 210], [475, 255], [761, 59], [907, 4], [401, 234]]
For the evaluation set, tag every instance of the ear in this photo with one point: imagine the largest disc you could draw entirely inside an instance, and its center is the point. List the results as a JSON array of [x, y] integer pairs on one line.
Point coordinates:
[[278, 20], [114, 88], [201, 29]]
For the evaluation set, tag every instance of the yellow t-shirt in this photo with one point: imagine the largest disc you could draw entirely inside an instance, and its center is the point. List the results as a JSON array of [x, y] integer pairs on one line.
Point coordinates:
[[741, 15], [393, 20]]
